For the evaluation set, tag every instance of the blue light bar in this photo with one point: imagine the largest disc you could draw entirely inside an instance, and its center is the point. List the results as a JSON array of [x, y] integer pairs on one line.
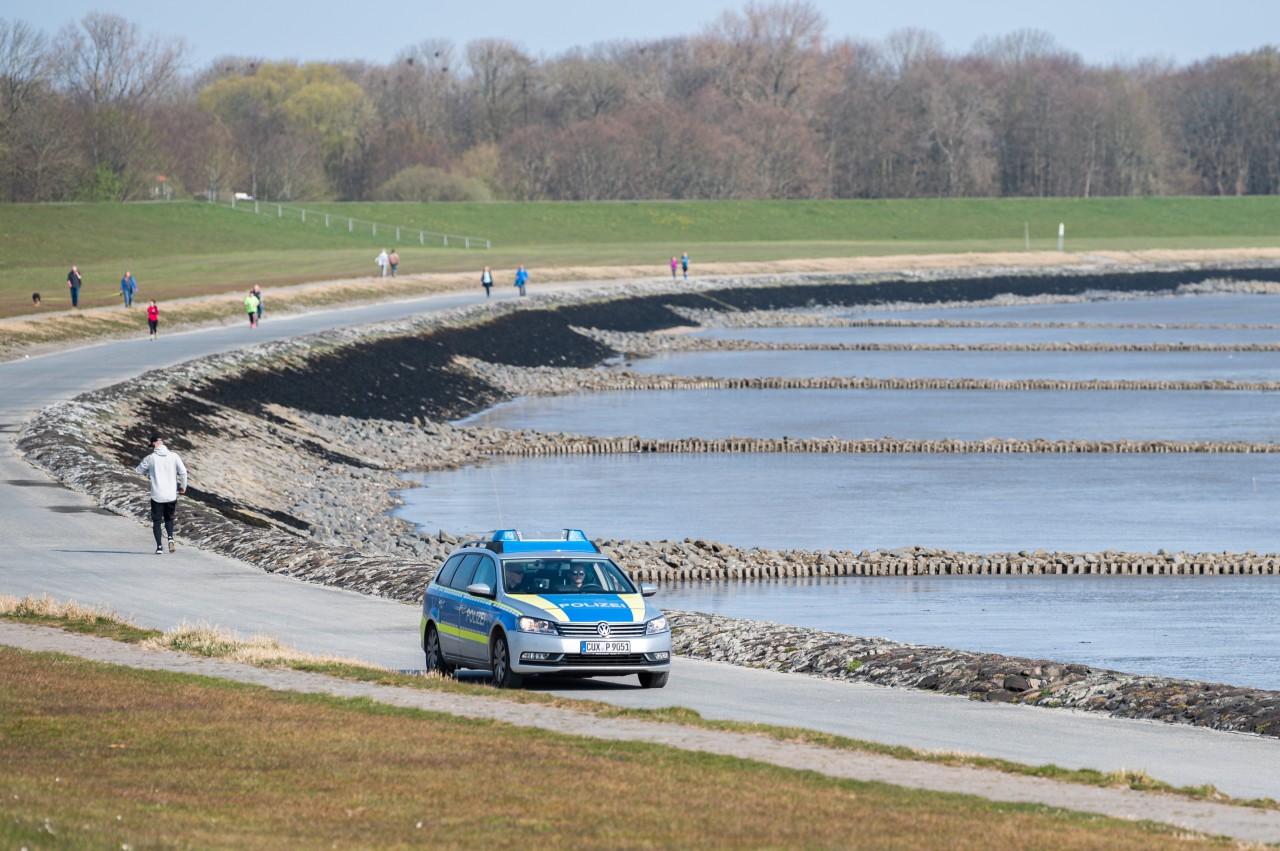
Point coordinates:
[[570, 540]]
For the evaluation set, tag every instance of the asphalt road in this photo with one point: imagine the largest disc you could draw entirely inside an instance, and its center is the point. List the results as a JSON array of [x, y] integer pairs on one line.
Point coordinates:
[[59, 542]]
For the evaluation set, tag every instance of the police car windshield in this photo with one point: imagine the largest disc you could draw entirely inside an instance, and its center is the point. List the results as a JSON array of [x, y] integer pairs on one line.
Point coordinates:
[[564, 576]]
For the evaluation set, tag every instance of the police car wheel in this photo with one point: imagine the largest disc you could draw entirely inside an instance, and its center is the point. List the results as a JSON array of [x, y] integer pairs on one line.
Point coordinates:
[[435, 659], [503, 676], [654, 679]]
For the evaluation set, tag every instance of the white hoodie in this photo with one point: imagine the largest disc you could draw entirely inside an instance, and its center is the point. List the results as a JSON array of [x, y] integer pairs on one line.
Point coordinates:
[[168, 474]]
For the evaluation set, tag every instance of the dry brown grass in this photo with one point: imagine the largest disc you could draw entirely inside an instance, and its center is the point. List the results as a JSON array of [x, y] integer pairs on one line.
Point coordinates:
[[92, 755], [73, 617], [45, 606], [203, 639]]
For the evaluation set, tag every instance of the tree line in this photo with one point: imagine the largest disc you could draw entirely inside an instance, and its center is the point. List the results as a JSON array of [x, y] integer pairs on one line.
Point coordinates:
[[759, 104]]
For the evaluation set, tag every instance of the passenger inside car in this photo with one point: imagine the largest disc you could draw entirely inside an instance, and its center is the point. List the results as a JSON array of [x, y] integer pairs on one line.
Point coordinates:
[[513, 578]]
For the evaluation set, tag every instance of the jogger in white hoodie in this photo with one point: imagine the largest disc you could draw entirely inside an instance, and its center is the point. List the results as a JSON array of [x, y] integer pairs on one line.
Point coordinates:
[[168, 479]]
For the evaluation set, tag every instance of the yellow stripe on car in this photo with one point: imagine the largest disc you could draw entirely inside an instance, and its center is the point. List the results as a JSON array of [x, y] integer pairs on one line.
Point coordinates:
[[543, 603], [635, 602], [464, 634]]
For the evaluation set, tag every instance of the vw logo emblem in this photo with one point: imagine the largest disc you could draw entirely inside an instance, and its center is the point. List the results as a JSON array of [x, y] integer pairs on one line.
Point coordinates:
[[603, 630]]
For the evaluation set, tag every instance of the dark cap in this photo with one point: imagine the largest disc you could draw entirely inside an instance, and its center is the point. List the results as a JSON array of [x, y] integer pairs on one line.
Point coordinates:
[[155, 436]]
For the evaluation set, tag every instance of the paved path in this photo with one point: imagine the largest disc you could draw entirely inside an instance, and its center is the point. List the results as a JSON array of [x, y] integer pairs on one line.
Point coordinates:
[[58, 542], [1218, 819]]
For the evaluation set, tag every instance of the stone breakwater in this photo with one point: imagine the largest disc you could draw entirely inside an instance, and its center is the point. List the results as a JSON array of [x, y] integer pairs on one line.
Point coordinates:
[[535, 445], [643, 345], [704, 318], [323, 513], [558, 381], [978, 676]]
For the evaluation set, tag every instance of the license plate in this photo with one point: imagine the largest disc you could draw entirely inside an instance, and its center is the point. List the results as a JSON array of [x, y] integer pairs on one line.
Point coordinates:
[[606, 647]]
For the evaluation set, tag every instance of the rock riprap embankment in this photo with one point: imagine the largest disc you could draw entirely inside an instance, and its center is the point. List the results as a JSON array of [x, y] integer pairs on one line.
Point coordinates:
[[979, 676], [339, 415]]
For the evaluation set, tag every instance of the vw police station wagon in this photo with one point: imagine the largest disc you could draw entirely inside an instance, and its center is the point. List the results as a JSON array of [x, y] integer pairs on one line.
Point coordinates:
[[520, 607]]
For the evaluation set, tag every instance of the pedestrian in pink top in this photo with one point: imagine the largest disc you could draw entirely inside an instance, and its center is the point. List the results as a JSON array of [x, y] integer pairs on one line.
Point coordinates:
[[675, 264]]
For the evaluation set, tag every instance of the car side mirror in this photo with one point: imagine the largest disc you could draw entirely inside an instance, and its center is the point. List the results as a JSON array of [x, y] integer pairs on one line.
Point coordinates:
[[480, 589], [647, 590]]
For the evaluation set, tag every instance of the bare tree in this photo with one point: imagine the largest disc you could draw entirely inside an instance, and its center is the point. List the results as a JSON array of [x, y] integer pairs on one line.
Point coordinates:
[[907, 49], [582, 87], [1031, 79], [956, 111], [501, 84], [25, 73], [1212, 107], [766, 54], [114, 76]]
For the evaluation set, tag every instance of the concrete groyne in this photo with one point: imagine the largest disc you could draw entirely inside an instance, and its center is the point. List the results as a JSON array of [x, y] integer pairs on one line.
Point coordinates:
[[539, 445], [639, 344]]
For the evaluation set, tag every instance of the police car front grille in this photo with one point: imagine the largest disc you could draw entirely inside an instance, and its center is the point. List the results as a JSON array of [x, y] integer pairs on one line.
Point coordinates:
[[588, 630], [601, 660]]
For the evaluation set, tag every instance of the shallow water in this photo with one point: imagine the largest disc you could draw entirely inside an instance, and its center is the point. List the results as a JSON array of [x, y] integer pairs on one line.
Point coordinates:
[[1070, 366], [974, 503], [1007, 336], [1183, 415], [1219, 628], [1217, 309], [1212, 628]]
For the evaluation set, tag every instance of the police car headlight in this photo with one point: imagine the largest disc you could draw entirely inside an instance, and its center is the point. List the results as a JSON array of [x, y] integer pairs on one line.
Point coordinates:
[[657, 625], [538, 625]]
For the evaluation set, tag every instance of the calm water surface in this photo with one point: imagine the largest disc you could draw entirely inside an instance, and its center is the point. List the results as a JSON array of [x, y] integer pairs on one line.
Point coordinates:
[[1224, 309], [929, 414], [976, 503], [974, 336], [1221, 629], [1073, 366]]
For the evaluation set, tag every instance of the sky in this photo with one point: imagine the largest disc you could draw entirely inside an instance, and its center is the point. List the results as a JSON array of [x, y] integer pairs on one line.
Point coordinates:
[[1102, 32]]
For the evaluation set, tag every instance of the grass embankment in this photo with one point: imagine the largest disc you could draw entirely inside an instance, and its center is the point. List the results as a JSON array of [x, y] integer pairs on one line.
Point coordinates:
[[103, 755], [184, 249], [97, 755], [268, 652]]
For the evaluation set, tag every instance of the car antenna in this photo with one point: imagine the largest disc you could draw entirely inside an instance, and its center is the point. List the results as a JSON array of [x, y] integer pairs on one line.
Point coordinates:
[[502, 522]]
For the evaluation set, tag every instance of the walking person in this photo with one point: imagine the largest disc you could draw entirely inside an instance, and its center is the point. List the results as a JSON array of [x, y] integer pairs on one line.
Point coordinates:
[[486, 281], [684, 264], [251, 307], [394, 260], [128, 286], [257, 291], [383, 261], [73, 283], [675, 264], [522, 278], [168, 479], [153, 318]]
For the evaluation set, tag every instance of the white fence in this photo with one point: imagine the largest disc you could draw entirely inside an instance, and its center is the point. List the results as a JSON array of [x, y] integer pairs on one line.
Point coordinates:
[[403, 233]]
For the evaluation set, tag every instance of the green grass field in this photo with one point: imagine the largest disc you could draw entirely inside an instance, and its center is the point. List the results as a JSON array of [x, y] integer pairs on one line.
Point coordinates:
[[178, 249], [98, 755]]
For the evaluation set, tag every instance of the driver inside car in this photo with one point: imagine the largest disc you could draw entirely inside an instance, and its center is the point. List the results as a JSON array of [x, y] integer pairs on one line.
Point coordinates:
[[577, 575]]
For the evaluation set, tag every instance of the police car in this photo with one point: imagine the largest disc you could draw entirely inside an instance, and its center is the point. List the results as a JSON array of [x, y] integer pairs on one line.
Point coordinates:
[[521, 606]]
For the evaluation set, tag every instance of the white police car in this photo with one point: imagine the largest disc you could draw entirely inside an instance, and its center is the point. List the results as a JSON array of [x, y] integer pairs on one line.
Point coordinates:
[[520, 607]]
